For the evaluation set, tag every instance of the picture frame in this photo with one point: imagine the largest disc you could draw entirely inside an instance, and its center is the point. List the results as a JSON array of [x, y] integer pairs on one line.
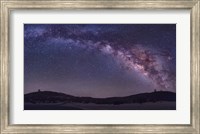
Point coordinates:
[[8, 6]]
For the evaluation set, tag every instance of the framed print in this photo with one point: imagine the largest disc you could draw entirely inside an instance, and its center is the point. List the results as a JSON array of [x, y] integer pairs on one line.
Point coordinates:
[[99, 66]]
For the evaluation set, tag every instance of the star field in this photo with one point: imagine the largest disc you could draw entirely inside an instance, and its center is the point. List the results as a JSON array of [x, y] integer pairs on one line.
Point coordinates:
[[100, 60]]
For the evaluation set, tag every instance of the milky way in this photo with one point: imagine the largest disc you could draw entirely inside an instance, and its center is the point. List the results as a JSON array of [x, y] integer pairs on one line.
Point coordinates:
[[148, 51]]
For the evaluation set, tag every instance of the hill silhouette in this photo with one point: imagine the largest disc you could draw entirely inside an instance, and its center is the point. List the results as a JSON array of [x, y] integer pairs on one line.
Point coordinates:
[[55, 97]]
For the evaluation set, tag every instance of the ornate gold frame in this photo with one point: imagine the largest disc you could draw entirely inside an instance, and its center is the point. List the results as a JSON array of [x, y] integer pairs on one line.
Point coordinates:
[[8, 5]]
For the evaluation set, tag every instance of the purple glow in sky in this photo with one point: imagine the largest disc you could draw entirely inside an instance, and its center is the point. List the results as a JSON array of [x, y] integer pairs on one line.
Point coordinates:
[[100, 60]]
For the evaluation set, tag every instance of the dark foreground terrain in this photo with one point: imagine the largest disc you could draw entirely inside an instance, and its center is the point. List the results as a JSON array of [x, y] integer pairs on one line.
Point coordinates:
[[47, 100]]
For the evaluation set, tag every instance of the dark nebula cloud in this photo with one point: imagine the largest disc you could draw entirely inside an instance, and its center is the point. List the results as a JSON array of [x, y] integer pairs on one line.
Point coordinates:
[[100, 60]]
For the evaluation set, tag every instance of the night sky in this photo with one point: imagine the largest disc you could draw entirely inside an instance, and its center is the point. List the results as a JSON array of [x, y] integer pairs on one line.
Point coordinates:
[[100, 60]]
